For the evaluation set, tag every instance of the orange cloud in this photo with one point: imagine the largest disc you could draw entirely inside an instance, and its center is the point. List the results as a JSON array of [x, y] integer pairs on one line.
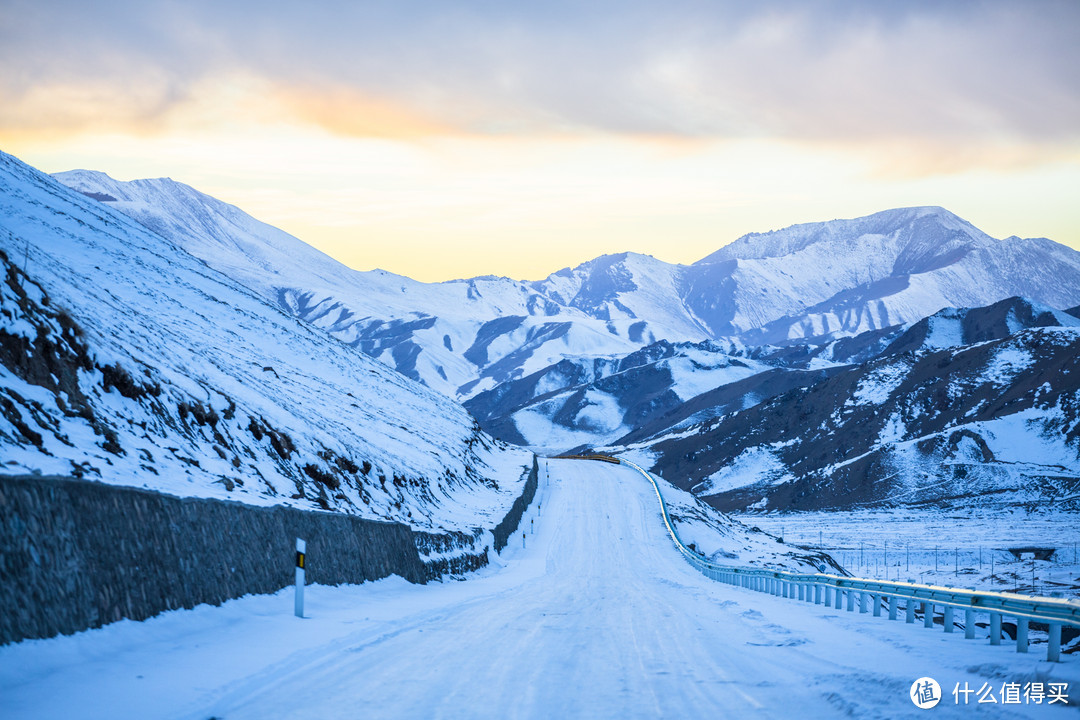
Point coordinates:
[[347, 112], [57, 110]]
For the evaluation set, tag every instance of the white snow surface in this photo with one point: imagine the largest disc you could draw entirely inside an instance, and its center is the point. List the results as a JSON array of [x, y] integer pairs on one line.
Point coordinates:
[[166, 316], [751, 466], [694, 371], [881, 382], [596, 617]]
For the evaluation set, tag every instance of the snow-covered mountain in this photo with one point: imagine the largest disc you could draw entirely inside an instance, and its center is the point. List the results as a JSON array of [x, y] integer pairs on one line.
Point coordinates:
[[976, 406], [595, 401], [889, 268], [819, 281], [128, 360]]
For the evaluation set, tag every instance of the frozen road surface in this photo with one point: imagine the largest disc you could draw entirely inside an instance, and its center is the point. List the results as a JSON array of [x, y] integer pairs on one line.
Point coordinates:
[[596, 617]]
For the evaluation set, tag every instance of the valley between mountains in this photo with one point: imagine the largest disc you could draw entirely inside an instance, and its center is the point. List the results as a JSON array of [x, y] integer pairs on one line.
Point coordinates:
[[904, 358]]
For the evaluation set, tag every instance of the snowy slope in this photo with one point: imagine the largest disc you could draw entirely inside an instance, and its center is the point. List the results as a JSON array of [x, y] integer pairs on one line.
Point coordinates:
[[597, 617], [128, 360]]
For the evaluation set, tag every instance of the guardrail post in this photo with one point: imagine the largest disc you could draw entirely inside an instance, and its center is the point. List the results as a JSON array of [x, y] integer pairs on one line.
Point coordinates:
[[948, 618], [1053, 650], [995, 628], [928, 614], [864, 602], [851, 600], [1021, 635], [969, 624], [876, 601], [817, 594], [893, 602], [909, 610], [801, 590], [828, 595]]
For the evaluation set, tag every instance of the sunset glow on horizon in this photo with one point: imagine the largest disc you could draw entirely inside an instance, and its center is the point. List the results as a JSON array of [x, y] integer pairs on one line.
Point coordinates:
[[496, 139]]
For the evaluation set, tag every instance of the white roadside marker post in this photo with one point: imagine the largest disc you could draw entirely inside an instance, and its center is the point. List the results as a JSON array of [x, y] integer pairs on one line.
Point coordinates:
[[301, 562], [1053, 651]]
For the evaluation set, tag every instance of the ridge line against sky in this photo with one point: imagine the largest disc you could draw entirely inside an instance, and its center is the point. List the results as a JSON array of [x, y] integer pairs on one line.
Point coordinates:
[[445, 140]]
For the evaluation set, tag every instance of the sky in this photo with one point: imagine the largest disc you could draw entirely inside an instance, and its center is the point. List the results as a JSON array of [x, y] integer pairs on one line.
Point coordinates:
[[443, 139]]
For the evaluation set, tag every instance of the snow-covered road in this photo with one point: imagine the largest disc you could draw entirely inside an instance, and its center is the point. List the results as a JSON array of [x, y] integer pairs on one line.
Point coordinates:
[[597, 616]]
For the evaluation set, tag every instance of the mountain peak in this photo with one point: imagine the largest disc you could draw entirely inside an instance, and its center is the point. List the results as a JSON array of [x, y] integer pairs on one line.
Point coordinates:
[[921, 223]]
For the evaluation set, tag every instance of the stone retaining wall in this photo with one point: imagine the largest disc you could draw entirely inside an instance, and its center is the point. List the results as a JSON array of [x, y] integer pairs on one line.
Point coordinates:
[[76, 554], [509, 523]]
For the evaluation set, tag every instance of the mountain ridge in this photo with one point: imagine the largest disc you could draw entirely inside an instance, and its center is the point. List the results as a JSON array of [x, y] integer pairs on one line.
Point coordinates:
[[809, 283]]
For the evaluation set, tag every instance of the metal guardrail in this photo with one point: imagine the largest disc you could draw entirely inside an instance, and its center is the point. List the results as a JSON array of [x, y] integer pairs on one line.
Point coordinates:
[[882, 595], [593, 456]]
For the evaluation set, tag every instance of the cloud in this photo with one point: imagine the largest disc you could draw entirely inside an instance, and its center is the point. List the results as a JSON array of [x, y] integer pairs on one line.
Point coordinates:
[[971, 73]]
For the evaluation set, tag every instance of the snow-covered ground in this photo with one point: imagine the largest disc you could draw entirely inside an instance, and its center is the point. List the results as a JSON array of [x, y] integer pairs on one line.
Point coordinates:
[[953, 549], [596, 616]]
